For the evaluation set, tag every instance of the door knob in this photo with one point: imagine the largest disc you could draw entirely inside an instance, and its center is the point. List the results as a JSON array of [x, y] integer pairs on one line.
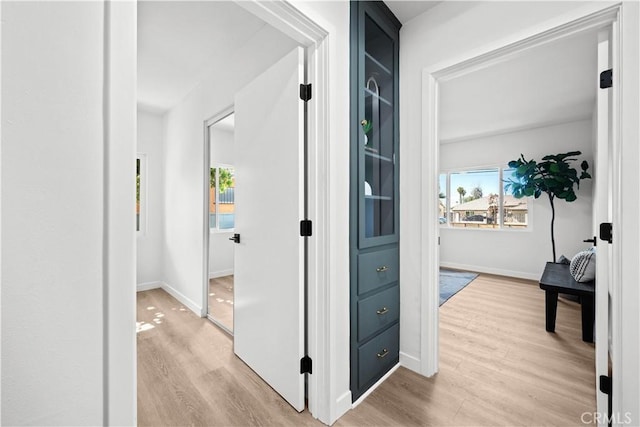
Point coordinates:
[[593, 240], [235, 238]]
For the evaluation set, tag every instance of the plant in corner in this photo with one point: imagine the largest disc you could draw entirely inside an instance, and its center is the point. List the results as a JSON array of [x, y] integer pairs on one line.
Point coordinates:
[[554, 176]]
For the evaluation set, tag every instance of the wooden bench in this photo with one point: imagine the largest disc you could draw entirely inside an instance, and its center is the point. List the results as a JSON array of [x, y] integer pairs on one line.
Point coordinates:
[[555, 279]]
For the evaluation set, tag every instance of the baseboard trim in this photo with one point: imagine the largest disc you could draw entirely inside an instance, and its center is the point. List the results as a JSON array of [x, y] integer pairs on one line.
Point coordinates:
[[410, 362], [343, 405], [221, 273], [190, 304], [375, 386], [489, 270], [147, 286]]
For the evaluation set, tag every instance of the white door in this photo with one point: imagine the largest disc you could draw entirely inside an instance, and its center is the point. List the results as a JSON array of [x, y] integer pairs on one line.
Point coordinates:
[[602, 213], [269, 259]]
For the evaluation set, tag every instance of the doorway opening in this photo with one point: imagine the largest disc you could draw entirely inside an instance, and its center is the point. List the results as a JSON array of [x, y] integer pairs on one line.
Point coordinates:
[[486, 240], [220, 296]]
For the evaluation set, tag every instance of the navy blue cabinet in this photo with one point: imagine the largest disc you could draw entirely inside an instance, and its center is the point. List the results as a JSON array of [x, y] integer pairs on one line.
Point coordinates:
[[374, 226]]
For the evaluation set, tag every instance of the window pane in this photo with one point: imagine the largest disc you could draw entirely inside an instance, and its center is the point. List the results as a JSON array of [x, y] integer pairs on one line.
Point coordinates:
[[137, 194], [222, 198], [442, 198], [226, 199], [474, 198], [516, 211]]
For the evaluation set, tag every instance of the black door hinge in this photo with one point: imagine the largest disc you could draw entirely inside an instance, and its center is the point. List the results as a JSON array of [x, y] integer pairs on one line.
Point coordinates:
[[606, 79], [606, 232], [305, 92], [605, 384], [305, 365], [305, 228]]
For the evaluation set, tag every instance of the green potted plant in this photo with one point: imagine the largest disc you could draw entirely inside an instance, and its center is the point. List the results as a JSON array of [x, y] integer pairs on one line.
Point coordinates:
[[553, 176]]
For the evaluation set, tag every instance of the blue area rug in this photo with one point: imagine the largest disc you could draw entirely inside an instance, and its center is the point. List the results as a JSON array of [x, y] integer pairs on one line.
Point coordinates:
[[451, 282]]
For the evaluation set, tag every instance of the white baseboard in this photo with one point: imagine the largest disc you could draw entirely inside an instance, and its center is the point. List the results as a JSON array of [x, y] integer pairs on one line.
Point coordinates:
[[343, 404], [410, 362], [376, 385], [147, 286], [190, 304], [489, 270], [221, 273]]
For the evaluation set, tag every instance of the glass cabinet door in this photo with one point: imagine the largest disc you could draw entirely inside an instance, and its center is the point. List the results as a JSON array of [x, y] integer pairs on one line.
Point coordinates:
[[377, 161]]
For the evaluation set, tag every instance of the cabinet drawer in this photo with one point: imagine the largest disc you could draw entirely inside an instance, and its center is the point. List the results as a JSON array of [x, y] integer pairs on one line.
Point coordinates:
[[377, 355], [377, 269], [378, 311]]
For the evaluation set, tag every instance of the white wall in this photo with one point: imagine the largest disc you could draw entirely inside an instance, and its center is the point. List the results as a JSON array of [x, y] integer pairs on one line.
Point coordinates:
[[150, 241], [221, 249], [52, 199], [520, 253]]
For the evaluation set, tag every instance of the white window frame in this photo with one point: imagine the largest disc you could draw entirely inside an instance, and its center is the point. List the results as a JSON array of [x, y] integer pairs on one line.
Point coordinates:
[[501, 194], [217, 228], [142, 231]]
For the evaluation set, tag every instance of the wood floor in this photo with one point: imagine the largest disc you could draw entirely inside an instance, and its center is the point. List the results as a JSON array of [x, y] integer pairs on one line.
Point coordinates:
[[221, 300], [498, 367]]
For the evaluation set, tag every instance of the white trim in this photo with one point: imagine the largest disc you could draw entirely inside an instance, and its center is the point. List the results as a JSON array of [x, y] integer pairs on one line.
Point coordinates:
[[206, 230], [220, 273], [410, 362], [187, 302], [375, 386], [590, 17], [489, 270], [147, 286]]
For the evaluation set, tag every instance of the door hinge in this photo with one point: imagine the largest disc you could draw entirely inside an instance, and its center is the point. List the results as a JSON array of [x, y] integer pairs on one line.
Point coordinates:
[[606, 79], [305, 92], [606, 232], [305, 228], [305, 365], [605, 384]]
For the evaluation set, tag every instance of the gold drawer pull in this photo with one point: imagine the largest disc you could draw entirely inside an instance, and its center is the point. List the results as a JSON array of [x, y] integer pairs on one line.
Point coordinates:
[[381, 269], [383, 353], [383, 310]]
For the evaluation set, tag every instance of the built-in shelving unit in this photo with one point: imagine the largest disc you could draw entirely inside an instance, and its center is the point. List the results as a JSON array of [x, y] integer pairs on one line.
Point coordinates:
[[375, 291]]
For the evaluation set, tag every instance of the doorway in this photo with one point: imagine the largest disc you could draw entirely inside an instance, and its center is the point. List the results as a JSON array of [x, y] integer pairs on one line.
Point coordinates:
[[434, 79], [220, 295]]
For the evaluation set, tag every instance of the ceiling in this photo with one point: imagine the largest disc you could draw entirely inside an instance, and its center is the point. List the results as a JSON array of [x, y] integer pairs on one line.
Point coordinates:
[[179, 43], [407, 10], [550, 84]]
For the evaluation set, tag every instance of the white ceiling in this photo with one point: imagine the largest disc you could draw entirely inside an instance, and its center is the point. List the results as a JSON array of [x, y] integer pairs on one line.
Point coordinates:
[[179, 43], [407, 10], [551, 84]]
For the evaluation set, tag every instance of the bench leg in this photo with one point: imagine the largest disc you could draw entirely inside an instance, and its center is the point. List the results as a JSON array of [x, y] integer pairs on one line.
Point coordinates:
[[588, 316], [551, 307]]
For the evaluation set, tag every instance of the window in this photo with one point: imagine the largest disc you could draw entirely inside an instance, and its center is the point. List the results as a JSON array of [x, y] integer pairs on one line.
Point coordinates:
[[515, 211], [222, 198], [141, 196], [477, 198]]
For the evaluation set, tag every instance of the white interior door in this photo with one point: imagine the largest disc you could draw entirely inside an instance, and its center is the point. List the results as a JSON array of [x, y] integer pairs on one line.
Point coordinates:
[[602, 213], [269, 259]]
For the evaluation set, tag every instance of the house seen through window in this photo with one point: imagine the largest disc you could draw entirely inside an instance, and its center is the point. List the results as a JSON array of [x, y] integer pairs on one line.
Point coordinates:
[[477, 199], [222, 198]]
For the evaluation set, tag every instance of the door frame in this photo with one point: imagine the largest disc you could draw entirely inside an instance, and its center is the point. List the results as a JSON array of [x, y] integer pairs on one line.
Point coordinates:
[[314, 39], [586, 19], [207, 235]]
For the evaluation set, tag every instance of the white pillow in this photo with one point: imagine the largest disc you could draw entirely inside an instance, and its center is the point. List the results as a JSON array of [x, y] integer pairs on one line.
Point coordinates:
[[583, 266]]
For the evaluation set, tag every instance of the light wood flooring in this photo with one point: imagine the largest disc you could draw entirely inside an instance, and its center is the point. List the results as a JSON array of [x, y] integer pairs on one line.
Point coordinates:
[[498, 367], [221, 300]]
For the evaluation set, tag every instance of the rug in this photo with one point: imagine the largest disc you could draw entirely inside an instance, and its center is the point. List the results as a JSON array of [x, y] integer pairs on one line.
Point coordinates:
[[451, 282]]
